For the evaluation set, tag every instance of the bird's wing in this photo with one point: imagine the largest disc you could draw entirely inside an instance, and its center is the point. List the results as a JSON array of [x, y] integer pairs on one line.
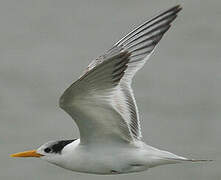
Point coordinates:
[[101, 101]]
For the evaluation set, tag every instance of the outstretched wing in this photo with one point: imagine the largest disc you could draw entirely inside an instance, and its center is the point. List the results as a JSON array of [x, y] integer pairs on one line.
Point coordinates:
[[101, 101]]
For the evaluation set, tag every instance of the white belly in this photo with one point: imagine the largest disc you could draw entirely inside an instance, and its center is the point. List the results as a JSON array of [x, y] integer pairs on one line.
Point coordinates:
[[104, 160], [116, 166]]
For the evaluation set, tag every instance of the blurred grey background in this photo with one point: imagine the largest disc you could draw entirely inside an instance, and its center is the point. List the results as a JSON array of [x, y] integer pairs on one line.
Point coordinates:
[[46, 44]]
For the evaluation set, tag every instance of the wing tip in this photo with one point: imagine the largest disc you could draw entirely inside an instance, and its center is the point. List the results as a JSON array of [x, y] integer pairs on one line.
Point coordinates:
[[176, 8]]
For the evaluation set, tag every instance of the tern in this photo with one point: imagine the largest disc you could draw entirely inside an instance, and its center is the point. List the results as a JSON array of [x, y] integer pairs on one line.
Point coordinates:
[[103, 106]]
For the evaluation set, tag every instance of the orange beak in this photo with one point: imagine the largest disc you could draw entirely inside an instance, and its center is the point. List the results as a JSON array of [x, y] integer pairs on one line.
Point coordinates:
[[31, 153]]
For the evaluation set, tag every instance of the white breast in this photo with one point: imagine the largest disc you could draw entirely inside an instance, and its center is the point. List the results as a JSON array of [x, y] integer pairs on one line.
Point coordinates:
[[99, 159]]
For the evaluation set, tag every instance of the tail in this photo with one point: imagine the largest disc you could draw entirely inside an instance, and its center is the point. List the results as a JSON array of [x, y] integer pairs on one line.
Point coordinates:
[[179, 159], [165, 157], [198, 160]]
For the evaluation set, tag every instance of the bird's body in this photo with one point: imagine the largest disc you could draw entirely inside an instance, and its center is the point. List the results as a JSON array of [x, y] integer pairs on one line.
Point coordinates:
[[111, 158], [103, 106]]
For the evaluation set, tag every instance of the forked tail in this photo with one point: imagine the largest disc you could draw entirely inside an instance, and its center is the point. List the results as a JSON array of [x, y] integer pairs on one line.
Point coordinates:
[[178, 159], [183, 159], [198, 160]]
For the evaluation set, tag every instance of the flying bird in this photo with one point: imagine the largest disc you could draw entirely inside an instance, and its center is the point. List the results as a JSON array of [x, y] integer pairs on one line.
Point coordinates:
[[103, 106]]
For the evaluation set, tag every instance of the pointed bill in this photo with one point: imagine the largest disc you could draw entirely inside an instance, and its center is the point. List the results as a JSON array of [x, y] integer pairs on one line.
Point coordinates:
[[31, 153]]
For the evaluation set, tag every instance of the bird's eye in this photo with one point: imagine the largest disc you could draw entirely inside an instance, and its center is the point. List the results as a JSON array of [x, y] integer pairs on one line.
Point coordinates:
[[47, 150]]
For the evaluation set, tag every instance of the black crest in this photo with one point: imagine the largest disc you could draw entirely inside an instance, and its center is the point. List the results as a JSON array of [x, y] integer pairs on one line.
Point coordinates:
[[59, 145]]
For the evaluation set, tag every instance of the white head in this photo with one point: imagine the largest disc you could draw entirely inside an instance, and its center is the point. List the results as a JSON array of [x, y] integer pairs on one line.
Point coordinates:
[[52, 151]]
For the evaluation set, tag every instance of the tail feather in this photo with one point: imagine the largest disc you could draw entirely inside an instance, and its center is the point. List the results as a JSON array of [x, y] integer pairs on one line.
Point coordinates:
[[180, 159], [199, 160], [170, 158], [183, 159]]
